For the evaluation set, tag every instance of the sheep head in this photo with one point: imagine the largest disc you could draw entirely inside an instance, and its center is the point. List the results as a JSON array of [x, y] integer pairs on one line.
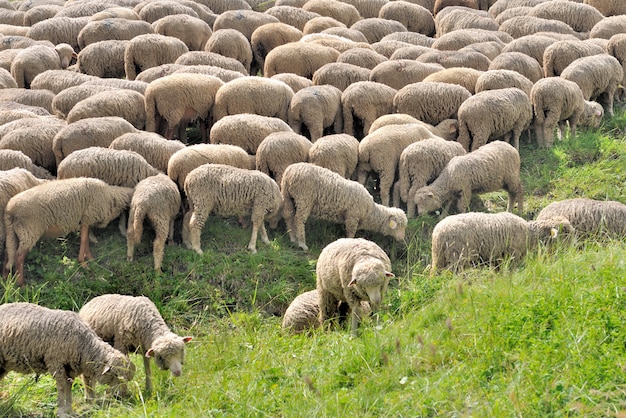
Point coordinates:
[[592, 114], [427, 200], [168, 352], [547, 230], [369, 280]]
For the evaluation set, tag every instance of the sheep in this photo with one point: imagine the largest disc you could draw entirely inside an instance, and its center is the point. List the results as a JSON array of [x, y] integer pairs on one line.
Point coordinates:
[[347, 33], [455, 18], [419, 165], [414, 17], [192, 156], [157, 198], [363, 102], [301, 58], [155, 10], [500, 79], [608, 7], [233, 44], [58, 80], [116, 167], [502, 5], [321, 23], [338, 153], [462, 76], [361, 57], [39, 13], [193, 31], [343, 12], [351, 270], [150, 50], [296, 82], [430, 102], [30, 97], [398, 73], [267, 37], [178, 99], [222, 73], [589, 217], [17, 159], [580, 17], [560, 54], [37, 59], [245, 21], [134, 324], [112, 29], [228, 190], [156, 149], [115, 12], [463, 240], [556, 100], [104, 59], [135, 85], [490, 49], [608, 27], [459, 38], [65, 100], [376, 28], [211, 58], [493, 114], [446, 129], [520, 62], [245, 130], [310, 190], [291, 15], [55, 208], [58, 30], [441, 4], [526, 25], [492, 167], [127, 104], [316, 108], [41, 340], [340, 75], [532, 45], [448, 59], [221, 6], [280, 149]]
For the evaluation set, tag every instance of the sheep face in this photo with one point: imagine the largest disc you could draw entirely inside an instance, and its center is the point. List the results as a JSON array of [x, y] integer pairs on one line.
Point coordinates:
[[169, 353], [592, 114], [426, 200], [370, 280], [395, 225], [546, 231], [118, 371]]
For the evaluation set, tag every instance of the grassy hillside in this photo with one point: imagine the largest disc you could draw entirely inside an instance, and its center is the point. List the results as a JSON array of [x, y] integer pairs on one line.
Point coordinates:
[[541, 338]]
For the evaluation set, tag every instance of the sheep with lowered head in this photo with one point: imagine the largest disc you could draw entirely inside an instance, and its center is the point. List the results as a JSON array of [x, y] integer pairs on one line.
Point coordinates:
[[228, 190], [246, 130], [310, 190], [473, 238], [134, 324], [492, 167], [153, 147], [351, 270], [127, 104], [150, 50], [280, 149], [38, 58], [363, 102], [39, 340], [316, 108], [430, 102], [56, 208], [10, 158], [338, 152]]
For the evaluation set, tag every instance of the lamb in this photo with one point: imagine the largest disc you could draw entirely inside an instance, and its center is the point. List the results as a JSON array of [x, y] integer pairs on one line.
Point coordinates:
[[316, 108], [338, 153], [17, 159], [55, 208], [150, 50], [596, 75], [245, 130], [556, 100], [89, 132], [310, 190], [40, 340], [134, 324], [153, 147], [419, 165], [560, 54], [492, 167], [463, 240], [127, 104], [589, 217], [228, 190], [363, 102], [280, 149], [351, 270], [178, 99], [430, 102], [37, 59]]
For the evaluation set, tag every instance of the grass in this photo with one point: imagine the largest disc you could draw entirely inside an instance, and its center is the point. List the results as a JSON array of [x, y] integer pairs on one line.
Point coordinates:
[[541, 338]]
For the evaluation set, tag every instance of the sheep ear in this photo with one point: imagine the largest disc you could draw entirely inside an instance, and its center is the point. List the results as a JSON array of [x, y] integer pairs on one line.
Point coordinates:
[[187, 339], [454, 128], [392, 224], [106, 369], [430, 194], [389, 274], [598, 112], [149, 353], [553, 233], [352, 282]]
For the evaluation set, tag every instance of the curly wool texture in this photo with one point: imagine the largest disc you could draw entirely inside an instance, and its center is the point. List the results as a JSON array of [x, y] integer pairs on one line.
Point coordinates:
[[376, 28], [59, 30], [17, 159], [153, 147], [351, 270], [420, 164], [151, 50], [316, 108], [296, 82], [338, 153], [280, 149], [291, 15], [112, 29], [90, 132], [182, 162], [245, 21], [462, 76], [42, 340], [532, 45], [59, 80], [470, 239], [134, 85], [502, 5], [269, 36], [608, 7], [459, 38], [579, 16], [230, 191], [233, 44], [361, 57], [245, 130], [116, 167], [590, 217], [463, 18], [442, 4], [430, 102], [39, 13], [127, 104], [560, 54], [340, 75], [490, 49], [29, 97], [103, 59], [343, 12], [414, 17], [363, 102], [519, 26], [310, 190], [133, 323], [222, 73], [501, 79], [398, 73], [37, 59], [65, 100], [301, 58], [494, 166], [302, 314], [211, 58]]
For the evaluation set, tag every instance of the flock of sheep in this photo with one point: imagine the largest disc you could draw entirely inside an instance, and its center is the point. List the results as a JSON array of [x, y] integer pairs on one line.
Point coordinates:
[[296, 106]]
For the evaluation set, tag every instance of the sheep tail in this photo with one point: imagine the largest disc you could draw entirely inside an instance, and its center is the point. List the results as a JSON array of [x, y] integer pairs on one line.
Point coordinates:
[[135, 224]]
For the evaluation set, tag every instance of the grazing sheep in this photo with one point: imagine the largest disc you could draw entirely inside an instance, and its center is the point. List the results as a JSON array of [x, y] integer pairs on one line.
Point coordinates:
[[55, 208], [462, 76], [135, 85], [490, 49], [178, 99], [245, 21], [89, 132], [343, 12], [460, 38], [228, 190], [556, 101], [501, 79], [134, 324], [413, 17], [316, 108], [310, 190], [363, 102], [533, 45], [596, 75], [589, 217], [560, 54], [502, 5], [153, 147], [127, 104], [112, 29], [40, 340], [430, 102], [192, 156], [301, 58], [155, 10], [520, 62], [17, 159], [608, 7], [279, 150], [419, 165], [340, 75], [490, 168], [222, 73], [296, 82], [291, 15], [267, 37], [338, 153], [398, 73], [65, 100], [579, 16], [441, 4], [6, 80], [351, 270], [38, 58], [449, 59], [245, 130], [193, 31], [470, 239], [233, 44], [104, 59], [455, 18], [157, 198], [519, 26], [211, 58], [361, 57], [59, 30], [58, 80], [115, 12], [376, 28], [29, 97], [494, 114], [150, 50]]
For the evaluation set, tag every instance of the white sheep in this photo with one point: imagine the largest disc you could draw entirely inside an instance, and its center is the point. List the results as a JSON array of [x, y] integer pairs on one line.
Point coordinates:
[[38, 58], [39, 340], [246, 130], [149, 50], [310, 190], [280, 149], [17, 159], [134, 324], [338, 152], [227, 190], [473, 238], [316, 108], [351, 270], [156, 149], [66, 99], [492, 167], [127, 104], [363, 102]]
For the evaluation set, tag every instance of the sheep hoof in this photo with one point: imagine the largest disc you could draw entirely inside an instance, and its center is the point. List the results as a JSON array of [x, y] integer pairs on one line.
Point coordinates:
[[199, 251]]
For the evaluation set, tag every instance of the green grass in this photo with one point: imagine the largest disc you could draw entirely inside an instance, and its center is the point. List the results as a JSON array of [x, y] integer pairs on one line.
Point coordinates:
[[543, 338]]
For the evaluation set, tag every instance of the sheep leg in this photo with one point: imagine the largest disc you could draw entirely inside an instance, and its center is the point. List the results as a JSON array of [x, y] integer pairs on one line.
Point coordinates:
[[148, 373], [549, 124], [64, 394], [252, 243], [410, 203], [463, 201], [303, 210], [89, 384], [352, 225], [264, 238], [316, 131], [84, 252], [328, 307], [385, 183], [356, 318], [158, 247], [20, 257], [196, 224]]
